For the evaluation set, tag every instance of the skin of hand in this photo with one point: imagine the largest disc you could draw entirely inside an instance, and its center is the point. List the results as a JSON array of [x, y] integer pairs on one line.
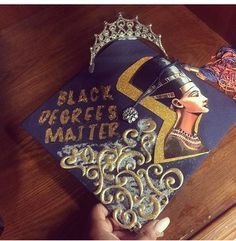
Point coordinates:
[[104, 227]]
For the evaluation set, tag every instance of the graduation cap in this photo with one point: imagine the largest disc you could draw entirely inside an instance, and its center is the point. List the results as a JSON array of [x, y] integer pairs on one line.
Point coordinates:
[[133, 127]]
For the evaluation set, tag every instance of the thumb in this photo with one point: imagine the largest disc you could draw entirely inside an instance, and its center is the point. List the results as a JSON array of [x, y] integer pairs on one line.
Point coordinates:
[[153, 229]]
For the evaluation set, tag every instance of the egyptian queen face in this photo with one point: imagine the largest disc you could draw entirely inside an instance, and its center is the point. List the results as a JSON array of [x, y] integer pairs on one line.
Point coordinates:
[[189, 104], [193, 101], [178, 92]]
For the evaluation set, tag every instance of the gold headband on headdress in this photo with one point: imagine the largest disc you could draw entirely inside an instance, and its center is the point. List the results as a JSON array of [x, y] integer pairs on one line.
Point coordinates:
[[169, 95]]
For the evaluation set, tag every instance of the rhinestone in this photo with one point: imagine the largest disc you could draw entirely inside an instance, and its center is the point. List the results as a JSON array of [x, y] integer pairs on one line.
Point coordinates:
[[124, 29]]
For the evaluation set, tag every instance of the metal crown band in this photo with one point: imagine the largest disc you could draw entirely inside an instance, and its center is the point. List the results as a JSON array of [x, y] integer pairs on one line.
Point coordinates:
[[123, 29]]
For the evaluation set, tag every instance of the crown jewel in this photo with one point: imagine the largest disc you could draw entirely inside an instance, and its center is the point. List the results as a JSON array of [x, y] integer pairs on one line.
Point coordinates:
[[123, 29]]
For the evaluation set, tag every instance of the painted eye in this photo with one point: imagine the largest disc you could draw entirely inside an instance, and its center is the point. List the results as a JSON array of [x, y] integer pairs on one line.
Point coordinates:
[[194, 94]]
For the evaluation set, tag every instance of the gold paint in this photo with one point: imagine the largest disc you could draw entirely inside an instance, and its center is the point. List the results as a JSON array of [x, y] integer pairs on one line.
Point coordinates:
[[121, 192], [53, 117], [197, 123], [69, 136], [105, 92], [128, 141], [146, 140], [155, 212], [80, 135], [44, 116], [91, 132], [102, 132], [82, 96], [145, 173], [99, 112], [112, 127], [134, 154], [169, 181], [168, 116], [188, 156], [61, 98], [49, 137], [70, 161], [94, 94], [87, 115], [135, 177], [124, 215], [65, 116], [87, 154], [151, 125], [112, 110], [75, 114], [111, 170], [109, 157], [70, 98]]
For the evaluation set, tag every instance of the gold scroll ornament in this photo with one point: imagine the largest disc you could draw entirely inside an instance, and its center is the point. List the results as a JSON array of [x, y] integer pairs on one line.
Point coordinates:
[[125, 179]]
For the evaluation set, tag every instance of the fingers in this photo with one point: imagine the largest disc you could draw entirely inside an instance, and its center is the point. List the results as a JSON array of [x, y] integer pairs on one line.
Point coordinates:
[[153, 229], [116, 226], [100, 226], [99, 220], [99, 212], [162, 225]]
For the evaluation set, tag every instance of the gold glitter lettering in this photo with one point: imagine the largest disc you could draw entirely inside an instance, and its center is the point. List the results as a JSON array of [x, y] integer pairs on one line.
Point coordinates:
[[83, 96], [53, 117], [61, 98], [102, 132], [105, 92], [91, 133], [69, 135], [112, 129], [76, 112], [98, 112], [80, 135], [49, 137], [44, 116], [94, 94], [88, 116], [112, 112], [64, 117], [70, 98]]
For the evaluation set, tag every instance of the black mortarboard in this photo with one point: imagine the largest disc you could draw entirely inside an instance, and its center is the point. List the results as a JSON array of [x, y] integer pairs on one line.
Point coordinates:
[[124, 164]]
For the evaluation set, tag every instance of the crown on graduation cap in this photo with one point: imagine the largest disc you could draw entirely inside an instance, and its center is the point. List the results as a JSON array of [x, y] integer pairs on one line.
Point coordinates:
[[122, 29]]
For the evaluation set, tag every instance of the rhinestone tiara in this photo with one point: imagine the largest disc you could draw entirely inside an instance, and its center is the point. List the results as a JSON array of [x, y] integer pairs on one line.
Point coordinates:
[[123, 29]]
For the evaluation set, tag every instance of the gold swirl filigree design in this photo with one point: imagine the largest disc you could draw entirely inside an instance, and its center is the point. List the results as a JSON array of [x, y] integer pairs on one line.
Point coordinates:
[[125, 177]]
